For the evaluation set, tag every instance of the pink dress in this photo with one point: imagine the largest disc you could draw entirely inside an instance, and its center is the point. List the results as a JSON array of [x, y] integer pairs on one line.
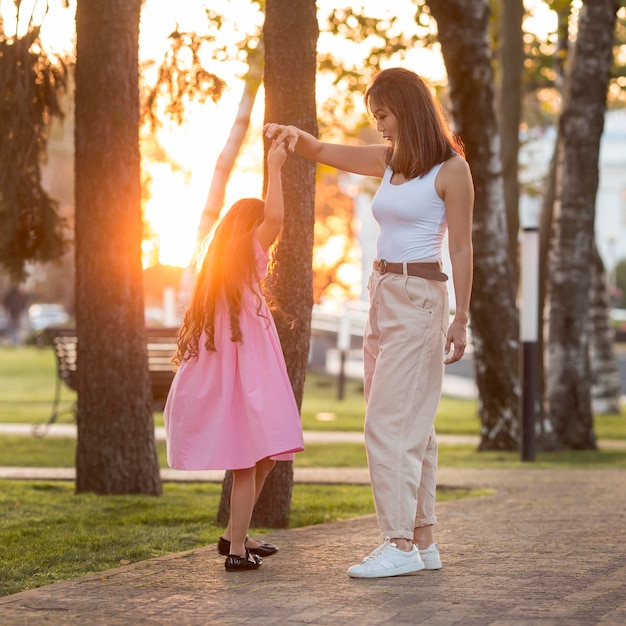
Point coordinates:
[[231, 408]]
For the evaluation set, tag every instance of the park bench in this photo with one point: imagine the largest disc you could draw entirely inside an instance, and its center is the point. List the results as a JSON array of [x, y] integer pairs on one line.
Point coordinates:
[[161, 345]]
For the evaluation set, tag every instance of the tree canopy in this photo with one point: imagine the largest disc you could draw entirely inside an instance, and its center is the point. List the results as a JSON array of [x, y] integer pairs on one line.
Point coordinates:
[[31, 82]]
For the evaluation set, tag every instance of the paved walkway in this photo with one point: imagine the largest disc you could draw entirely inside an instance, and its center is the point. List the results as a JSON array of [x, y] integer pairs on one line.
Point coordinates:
[[547, 548]]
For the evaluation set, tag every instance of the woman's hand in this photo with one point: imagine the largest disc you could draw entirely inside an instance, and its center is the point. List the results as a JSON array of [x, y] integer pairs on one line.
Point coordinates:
[[282, 134], [457, 337]]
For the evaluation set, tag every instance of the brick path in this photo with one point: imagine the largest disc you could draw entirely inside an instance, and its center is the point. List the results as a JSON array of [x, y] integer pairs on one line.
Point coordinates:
[[547, 549]]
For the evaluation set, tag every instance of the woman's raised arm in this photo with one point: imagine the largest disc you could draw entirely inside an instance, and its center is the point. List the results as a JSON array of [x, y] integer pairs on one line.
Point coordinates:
[[365, 160]]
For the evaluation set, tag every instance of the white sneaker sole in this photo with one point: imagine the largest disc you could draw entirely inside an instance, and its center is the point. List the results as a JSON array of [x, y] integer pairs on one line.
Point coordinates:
[[397, 571], [431, 566]]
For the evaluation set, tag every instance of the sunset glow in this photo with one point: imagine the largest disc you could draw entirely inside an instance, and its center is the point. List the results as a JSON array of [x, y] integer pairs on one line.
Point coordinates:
[[178, 197], [179, 187]]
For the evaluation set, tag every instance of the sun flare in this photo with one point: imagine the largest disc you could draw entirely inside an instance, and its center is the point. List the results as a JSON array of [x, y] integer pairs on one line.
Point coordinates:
[[178, 187]]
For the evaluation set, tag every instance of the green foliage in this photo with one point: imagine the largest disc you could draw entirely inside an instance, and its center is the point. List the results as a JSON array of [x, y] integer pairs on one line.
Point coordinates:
[[181, 80], [31, 229], [382, 39], [378, 40], [182, 75]]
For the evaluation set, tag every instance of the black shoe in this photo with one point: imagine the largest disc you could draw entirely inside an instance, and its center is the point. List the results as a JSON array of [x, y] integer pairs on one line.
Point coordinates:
[[264, 549], [236, 563]]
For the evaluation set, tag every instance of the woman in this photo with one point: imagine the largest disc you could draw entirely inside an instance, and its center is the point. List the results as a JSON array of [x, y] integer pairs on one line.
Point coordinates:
[[426, 190]]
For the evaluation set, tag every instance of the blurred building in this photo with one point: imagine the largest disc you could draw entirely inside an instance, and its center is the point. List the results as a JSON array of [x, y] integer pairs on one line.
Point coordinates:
[[610, 220]]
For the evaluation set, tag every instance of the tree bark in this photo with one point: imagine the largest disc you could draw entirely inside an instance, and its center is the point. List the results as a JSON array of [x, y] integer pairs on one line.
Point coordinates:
[[116, 451], [463, 34], [571, 255], [511, 62], [545, 237], [606, 389], [290, 35], [545, 431]]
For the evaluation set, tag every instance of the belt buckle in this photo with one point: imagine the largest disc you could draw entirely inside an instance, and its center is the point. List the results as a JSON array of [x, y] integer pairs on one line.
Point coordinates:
[[382, 266]]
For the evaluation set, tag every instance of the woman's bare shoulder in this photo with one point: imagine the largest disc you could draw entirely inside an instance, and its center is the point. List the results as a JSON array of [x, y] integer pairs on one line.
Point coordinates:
[[456, 164], [454, 175]]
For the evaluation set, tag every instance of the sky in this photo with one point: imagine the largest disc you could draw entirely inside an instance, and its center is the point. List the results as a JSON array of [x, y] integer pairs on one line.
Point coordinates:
[[197, 145]]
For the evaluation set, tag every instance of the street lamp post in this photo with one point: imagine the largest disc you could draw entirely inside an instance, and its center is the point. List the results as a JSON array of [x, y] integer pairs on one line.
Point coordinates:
[[529, 327]]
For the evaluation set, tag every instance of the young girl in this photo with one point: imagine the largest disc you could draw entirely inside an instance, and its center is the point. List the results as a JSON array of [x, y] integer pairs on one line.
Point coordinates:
[[231, 405], [426, 190]]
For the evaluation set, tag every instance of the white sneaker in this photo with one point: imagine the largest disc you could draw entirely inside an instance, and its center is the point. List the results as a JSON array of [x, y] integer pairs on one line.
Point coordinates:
[[387, 560], [430, 557]]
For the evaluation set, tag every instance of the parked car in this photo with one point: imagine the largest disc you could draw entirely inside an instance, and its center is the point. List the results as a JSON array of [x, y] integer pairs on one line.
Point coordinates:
[[41, 316]]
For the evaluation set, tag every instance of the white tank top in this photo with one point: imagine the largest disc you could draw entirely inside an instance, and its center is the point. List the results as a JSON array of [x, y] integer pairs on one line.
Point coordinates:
[[411, 217]]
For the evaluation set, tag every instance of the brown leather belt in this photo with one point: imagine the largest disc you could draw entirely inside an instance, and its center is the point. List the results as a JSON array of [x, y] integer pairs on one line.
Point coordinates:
[[430, 271]]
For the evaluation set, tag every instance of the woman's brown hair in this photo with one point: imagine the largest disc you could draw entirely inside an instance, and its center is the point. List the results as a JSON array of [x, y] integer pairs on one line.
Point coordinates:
[[227, 269], [424, 137]]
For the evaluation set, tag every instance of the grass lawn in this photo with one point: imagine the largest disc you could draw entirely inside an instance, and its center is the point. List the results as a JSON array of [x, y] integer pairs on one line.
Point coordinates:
[[19, 451], [27, 383], [27, 386], [27, 379], [48, 534]]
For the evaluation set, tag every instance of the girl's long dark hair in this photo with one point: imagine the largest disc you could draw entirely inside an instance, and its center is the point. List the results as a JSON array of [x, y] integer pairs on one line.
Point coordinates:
[[424, 136], [228, 268]]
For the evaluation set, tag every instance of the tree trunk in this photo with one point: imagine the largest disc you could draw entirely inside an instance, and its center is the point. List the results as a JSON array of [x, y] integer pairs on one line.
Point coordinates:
[[545, 431], [463, 34], [606, 390], [290, 35], [571, 256], [511, 62], [116, 451]]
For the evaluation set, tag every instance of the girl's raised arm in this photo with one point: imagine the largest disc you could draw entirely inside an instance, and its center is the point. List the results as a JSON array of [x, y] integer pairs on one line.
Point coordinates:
[[365, 160], [274, 203]]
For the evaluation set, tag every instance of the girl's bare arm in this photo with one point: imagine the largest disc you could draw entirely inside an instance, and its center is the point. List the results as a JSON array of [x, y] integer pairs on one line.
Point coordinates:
[[274, 203]]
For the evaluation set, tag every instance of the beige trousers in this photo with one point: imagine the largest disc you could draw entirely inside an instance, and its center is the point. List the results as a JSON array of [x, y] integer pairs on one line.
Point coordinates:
[[403, 353]]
